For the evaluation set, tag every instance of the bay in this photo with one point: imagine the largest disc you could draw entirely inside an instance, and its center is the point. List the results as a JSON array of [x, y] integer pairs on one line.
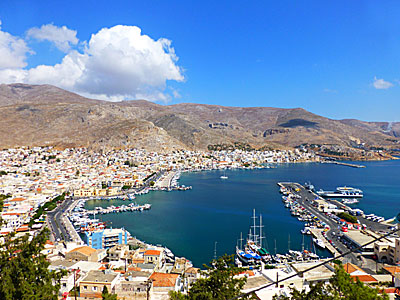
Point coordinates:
[[216, 210]]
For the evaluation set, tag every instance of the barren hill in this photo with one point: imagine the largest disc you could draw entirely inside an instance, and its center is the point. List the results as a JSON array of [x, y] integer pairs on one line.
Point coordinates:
[[46, 115]]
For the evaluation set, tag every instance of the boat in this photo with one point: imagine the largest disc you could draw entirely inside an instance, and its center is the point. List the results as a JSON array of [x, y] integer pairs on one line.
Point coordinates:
[[350, 201], [342, 192], [309, 186], [319, 243], [253, 252], [224, 176]]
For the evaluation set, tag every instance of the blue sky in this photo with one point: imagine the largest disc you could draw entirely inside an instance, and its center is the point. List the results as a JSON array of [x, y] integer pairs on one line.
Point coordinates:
[[339, 59]]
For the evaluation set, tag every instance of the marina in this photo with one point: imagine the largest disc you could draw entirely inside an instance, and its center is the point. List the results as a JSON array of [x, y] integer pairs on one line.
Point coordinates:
[[206, 212]]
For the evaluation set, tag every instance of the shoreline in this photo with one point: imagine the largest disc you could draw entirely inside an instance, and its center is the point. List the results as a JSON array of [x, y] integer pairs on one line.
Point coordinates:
[[271, 165]]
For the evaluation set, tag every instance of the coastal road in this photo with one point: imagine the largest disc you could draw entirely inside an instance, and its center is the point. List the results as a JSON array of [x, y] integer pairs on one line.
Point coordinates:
[[56, 222], [306, 200]]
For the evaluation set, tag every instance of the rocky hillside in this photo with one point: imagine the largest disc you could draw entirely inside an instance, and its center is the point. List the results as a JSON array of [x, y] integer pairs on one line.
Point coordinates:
[[47, 115]]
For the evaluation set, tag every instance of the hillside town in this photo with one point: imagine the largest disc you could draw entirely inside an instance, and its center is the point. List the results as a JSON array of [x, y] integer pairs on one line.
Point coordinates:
[[37, 181], [46, 187]]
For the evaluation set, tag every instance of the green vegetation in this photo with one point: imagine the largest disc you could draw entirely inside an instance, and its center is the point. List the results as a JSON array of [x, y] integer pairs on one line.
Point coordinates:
[[48, 206], [126, 187], [24, 269], [3, 173], [347, 217], [105, 295], [152, 183], [340, 286], [219, 282]]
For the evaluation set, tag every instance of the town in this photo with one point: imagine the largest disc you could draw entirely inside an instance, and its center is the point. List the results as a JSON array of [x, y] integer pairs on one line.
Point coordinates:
[[45, 187]]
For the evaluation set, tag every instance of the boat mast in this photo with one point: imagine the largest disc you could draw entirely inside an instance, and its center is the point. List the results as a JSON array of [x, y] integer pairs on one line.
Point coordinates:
[[302, 245], [241, 240], [289, 243], [275, 245], [261, 231], [254, 226]]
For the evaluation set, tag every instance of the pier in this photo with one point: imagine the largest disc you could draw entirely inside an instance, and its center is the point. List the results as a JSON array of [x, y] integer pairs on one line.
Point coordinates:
[[342, 164], [317, 233], [122, 208]]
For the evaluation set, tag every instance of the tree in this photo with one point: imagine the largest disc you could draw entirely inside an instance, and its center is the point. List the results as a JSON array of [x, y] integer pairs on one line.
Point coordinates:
[[219, 282], [340, 286], [105, 295], [24, 272]]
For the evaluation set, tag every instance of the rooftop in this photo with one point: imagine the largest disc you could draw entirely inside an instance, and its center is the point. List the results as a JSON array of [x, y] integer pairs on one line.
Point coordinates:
[[99, 276]]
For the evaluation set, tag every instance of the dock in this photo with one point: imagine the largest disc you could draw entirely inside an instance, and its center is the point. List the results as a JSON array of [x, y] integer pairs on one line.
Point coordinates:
[[317, 233], [342, 164], [122, 208]]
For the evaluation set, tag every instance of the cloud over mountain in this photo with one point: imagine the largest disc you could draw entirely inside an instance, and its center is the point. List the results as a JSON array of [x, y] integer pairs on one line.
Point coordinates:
[[62, 37], [116, 63]]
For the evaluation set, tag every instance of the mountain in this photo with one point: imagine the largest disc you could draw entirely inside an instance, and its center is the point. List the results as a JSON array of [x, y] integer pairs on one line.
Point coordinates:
[[47, 115]]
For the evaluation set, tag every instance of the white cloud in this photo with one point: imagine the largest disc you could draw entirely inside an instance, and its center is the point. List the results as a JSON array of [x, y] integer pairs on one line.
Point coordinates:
[[13, 51], [381, 84], [62, 37], [117, 63]]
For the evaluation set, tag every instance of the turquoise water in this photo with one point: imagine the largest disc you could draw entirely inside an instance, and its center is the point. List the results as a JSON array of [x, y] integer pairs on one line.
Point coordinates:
[[190, 222]]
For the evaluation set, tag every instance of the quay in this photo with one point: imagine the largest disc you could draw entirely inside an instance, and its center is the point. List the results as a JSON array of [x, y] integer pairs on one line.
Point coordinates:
[[342, 164], [317, 233]]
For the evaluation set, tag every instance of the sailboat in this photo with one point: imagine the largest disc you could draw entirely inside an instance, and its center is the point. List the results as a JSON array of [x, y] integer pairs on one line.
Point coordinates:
[[224, 176], [253, 252]]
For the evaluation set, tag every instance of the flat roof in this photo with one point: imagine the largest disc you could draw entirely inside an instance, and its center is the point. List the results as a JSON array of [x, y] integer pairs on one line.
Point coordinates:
[[99, 276], [358, 237]]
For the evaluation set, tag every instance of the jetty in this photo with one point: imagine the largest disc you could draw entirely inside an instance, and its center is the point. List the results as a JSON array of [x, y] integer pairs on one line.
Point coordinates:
[[342, 164], [317, 233], [122, 208]]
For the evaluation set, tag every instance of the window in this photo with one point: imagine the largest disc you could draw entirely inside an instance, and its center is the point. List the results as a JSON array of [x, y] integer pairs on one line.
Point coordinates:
[[94, 288], [85, 287]]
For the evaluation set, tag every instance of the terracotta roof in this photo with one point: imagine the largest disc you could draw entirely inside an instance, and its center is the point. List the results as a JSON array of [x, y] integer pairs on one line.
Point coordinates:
[[163, 279], [84, 250], [17, 199], [152, 252], [364, 278], [350, 268], [392, 269]]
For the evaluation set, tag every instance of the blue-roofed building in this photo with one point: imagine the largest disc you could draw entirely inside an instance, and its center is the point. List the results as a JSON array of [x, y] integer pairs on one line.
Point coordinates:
[[107, 238]]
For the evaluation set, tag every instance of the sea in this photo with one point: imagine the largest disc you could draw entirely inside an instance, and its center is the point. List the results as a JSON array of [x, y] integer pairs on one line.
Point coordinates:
[[210, 218]]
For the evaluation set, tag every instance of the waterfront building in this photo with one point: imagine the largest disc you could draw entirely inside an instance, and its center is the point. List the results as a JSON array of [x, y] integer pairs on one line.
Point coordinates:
[[388, 251], [105, 239]]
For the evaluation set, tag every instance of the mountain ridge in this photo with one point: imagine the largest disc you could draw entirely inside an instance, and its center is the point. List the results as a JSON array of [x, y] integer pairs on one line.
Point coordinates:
[[47, 115]]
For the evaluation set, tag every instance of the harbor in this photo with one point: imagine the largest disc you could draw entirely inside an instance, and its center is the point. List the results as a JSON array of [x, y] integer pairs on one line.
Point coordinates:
[[209, 208], [328, 230]]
